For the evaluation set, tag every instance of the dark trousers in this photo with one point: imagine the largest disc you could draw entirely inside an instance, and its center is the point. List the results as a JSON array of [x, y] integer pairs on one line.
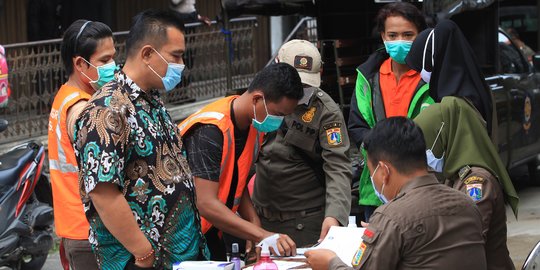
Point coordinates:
[[79, 254]]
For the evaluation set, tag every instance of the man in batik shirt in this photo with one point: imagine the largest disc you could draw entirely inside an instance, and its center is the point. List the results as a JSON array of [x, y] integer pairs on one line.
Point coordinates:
[[136, 186]]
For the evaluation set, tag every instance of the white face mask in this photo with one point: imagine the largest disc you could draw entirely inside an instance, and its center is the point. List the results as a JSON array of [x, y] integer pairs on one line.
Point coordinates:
[[380, 195], [426, 75], [435, 163]]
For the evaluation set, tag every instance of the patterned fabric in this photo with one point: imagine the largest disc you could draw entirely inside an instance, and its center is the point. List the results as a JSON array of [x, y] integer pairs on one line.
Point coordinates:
[[125, 136]]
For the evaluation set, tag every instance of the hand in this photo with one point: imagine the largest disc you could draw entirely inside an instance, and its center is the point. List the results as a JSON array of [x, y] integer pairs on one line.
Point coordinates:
[[148, 263], [285, 245], [204, 20], [364, 224], [327, 223], [319, 258]]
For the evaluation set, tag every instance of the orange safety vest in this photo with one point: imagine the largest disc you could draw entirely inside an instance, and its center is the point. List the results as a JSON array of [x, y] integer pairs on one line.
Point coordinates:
[[218, 113], [69, 218]]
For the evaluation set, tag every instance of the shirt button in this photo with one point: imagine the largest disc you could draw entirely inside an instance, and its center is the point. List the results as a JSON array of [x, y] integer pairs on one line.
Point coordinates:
[[300, 226]]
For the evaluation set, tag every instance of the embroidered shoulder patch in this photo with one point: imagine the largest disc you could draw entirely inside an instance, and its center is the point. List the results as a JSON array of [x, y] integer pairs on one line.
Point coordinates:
[[474, 191], [334, 136], [357, 258]]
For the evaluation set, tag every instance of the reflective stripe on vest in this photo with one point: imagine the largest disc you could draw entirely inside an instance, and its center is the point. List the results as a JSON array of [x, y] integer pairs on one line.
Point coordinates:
[[216, 115], [61, 164]]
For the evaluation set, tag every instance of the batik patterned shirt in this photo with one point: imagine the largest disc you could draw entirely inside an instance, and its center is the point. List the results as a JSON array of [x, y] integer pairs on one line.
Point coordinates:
[[125, 136]]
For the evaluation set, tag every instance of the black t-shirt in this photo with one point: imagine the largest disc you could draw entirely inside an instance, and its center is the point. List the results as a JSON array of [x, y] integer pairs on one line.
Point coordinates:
[[204, 148]]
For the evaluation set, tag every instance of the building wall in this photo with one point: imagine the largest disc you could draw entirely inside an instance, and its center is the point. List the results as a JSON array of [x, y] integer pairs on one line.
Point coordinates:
[[13, 22], [15, 18]]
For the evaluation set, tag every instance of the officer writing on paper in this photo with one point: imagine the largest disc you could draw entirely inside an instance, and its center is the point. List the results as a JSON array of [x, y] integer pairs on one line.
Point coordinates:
[[303, 183], [422, 223]]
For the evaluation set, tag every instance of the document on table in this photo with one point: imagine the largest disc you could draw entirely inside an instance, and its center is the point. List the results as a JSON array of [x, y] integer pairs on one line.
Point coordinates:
[[344, 241]]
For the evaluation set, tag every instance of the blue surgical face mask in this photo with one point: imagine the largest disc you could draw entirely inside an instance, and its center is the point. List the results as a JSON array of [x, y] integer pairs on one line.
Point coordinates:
[[270, 122], [173, 76], [379, 195], [426, 75], [398, 49], [105, 74], [436, 164]]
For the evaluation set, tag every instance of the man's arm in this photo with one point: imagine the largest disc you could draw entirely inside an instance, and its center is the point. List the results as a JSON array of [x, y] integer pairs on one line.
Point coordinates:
[[246, 209], [381, 246], [358, 126], [99, 158], [204, 147], [224, 219], [334, 141], [483, 188], [120, 222], [72, 114], [217, 213]]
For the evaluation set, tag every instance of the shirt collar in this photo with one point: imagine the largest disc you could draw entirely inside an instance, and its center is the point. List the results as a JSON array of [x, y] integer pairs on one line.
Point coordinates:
[[425, 180], [386, 69], [308, 93], [132, 88]]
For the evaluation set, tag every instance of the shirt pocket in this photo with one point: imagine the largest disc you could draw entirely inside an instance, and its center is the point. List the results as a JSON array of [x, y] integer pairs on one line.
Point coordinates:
[[302, 136], [415, 231]]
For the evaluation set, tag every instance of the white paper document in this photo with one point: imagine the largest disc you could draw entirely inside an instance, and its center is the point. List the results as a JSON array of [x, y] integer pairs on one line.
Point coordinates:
[[344, 241]]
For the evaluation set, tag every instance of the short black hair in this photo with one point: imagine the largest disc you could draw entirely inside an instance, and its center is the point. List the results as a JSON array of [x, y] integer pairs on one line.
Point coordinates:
[[399, 141], [403, 9], [277, 81], [150, 26], [79, 41]]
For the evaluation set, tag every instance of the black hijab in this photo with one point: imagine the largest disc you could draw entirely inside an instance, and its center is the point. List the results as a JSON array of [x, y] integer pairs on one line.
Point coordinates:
[[455, 71]]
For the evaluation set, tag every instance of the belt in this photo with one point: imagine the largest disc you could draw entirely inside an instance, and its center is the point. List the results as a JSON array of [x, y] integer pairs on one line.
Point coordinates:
[[286, 215]]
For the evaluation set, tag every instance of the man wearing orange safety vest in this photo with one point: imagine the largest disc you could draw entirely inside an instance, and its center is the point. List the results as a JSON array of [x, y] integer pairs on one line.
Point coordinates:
[[222, 141], [87, 52]]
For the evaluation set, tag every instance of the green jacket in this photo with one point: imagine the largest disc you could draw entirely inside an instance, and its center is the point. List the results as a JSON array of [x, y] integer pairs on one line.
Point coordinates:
[[367, 109]]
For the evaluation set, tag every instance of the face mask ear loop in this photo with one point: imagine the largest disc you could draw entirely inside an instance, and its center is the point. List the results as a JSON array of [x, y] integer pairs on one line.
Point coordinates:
[[437, 137], [254, 113], [425, 48]]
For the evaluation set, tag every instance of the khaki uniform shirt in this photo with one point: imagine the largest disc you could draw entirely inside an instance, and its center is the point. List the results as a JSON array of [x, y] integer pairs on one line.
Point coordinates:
[[427, 226], [486, 191], [286, 181]]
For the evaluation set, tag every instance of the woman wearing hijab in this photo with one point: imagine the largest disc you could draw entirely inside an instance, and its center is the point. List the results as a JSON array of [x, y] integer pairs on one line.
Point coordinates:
[[455, 130], [386, 86], [446, 61], [467, 159]]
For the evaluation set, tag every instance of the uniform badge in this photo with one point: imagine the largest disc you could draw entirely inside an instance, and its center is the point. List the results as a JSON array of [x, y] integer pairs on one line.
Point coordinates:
[[474, 180], [357, 258], [475, 191], [308, 115], [303, 62], [334, 136]]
